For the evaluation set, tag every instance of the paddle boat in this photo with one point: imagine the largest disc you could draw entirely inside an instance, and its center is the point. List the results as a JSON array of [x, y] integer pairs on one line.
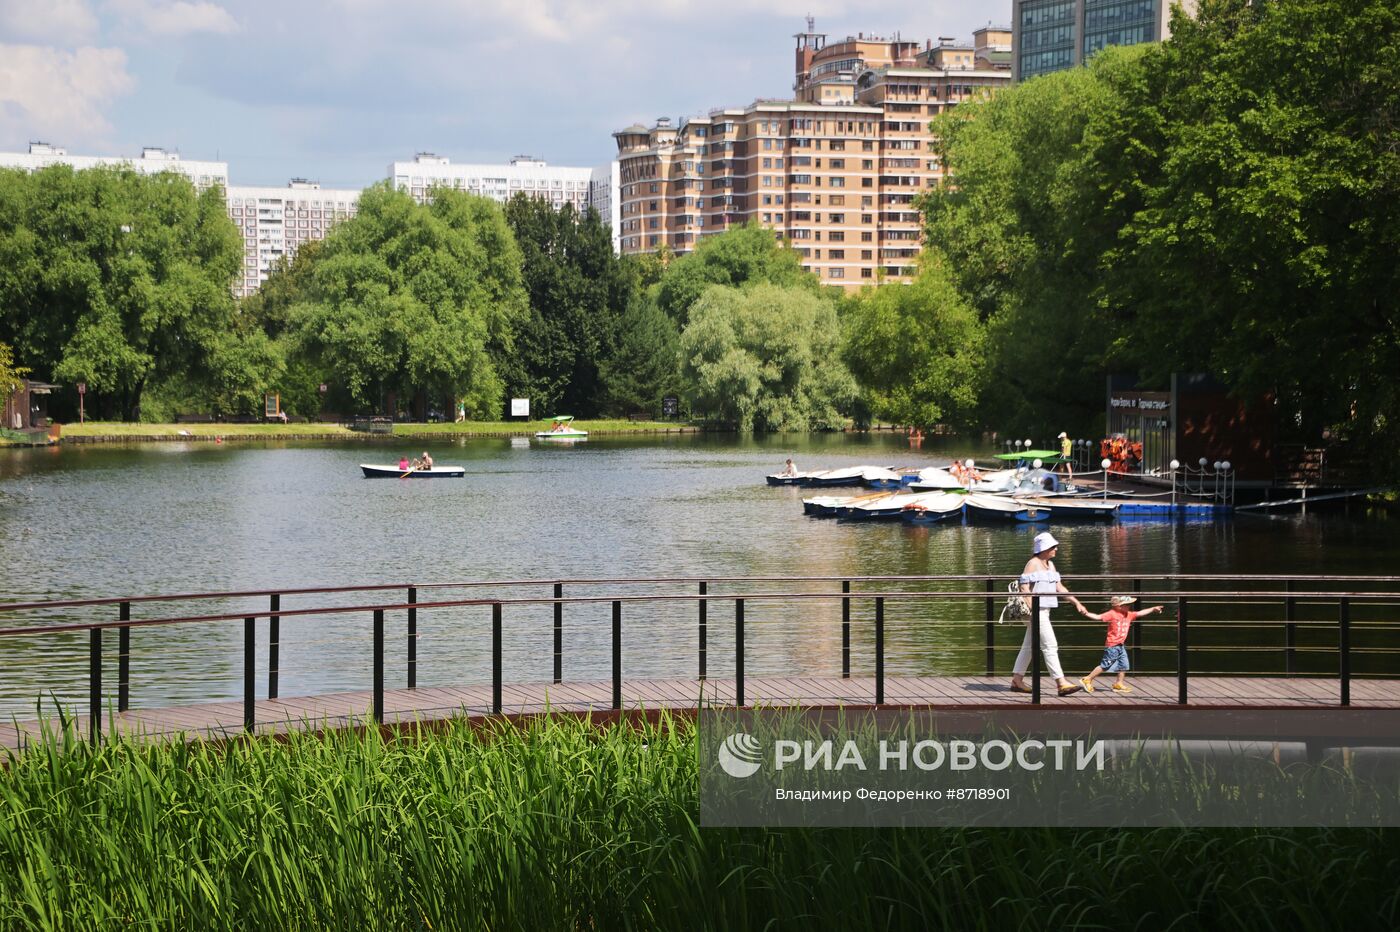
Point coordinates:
[[373, 471], [562, 429]]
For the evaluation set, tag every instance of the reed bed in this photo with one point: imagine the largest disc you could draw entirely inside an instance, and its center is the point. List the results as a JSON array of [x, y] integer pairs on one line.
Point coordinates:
[[564, 825]]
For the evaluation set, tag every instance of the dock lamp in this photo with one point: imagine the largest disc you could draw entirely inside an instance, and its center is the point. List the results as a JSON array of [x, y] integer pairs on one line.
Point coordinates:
[[1105, 463], [1175, 465]]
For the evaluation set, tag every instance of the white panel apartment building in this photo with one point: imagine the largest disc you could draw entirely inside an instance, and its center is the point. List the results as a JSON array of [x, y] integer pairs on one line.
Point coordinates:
[[559, 185], [276, 221], [153, 161]]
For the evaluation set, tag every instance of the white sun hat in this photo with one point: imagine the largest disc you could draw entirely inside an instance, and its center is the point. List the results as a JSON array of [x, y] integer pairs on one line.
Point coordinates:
[[1043, 542]]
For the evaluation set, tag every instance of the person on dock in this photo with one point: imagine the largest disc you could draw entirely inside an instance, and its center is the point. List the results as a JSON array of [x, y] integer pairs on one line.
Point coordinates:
[[1115, 655], [789, 469], [1041, 578], [1066, 448]]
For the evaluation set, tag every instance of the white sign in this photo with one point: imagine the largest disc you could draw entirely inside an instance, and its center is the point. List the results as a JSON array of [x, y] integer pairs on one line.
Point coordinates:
[[520, 407]]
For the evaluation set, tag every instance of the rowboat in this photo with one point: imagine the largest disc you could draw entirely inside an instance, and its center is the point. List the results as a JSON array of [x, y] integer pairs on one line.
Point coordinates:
[[934, 479], [778, 478], [825, 506], [852, 475], [393, 472], [562, 429], [1065, 508], [984, 507], [933, 506], [895, 506]]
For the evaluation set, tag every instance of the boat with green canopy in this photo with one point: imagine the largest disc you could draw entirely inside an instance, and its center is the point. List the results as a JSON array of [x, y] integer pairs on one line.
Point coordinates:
[[562, 428]]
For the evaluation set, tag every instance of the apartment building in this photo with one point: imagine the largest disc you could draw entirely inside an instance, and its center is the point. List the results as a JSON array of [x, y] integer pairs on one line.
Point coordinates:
[[835, 171], [152, 161], [275, 222], [1052, 35], [524, 174]]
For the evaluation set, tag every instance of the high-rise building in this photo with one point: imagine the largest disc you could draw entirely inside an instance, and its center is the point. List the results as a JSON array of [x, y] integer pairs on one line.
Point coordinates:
[[524, 175], [835, 171], [275, 222], [1052, 35]]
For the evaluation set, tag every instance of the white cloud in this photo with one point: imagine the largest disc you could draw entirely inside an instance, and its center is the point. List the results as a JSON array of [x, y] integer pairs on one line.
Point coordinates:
[[65, 22], [59, 95], [158, 18]]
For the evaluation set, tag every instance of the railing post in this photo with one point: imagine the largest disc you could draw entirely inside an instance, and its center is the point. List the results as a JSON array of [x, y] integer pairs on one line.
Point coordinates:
[[1136, 631], [1035, 650], [1290, 632], [250, 648], [617, 654], [879, 650], [991, 630], [1344, 650], [274, 643], [95, 684], [379, 666], [704, 627], [123, 658], [739, 652], [496, 658], [1181, 645], [412, 637], [558, 633], [846, 629]]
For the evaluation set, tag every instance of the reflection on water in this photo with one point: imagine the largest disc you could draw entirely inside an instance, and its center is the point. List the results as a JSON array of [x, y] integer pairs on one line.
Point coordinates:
[[96, 521]]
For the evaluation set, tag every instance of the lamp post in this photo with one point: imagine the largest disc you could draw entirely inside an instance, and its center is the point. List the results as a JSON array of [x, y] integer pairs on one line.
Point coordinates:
[[1175, 465], [1105, 463]]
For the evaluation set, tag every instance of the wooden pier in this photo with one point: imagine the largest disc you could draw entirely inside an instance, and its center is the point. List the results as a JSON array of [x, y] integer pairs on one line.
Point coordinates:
[[435, 704]]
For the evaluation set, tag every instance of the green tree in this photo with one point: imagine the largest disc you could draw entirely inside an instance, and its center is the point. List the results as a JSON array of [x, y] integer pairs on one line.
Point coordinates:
[[1250, 172], [116, 279], [745, 256], [917, 350], [577, 290], [643, 369], [767, 358], [406, 300], [11, 375]]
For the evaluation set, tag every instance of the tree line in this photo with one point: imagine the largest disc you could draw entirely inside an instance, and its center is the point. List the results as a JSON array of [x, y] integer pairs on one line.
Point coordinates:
[[1225, 201]]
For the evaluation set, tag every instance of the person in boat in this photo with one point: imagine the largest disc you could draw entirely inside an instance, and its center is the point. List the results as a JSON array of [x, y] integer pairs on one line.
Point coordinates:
[[427, 461], [1066, 447], [404, 464], [790, 469], [1041, 578]]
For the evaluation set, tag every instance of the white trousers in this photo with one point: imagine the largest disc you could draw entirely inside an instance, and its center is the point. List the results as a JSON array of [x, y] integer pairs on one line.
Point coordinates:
[[1049, 649]]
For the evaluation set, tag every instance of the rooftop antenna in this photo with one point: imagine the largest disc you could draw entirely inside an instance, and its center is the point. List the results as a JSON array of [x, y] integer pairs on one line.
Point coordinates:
[[811, 23]]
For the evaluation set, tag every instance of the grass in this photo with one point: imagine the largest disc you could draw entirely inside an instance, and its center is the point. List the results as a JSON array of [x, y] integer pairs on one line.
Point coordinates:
[[466, 429], [559, 825]]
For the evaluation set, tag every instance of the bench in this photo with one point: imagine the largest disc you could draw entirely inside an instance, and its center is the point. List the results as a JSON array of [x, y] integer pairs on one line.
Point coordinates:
[[186, 418]]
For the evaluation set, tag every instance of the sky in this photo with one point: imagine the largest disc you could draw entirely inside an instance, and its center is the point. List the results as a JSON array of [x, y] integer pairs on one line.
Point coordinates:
[[335, 90]]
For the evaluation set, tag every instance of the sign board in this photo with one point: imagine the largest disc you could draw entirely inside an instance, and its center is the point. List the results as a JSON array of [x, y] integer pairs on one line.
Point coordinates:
[[670, 406], [520, 407], [82, 388], [272, 404]]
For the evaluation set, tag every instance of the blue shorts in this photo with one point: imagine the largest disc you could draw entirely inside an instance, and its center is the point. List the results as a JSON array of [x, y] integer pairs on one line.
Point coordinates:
[[1115, 659]]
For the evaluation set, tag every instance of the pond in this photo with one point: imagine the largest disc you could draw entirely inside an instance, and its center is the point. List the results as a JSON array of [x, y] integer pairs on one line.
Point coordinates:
[[89, 521]]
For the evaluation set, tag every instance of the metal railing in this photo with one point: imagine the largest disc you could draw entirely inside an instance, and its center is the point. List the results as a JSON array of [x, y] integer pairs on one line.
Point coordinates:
[[1339, 595]]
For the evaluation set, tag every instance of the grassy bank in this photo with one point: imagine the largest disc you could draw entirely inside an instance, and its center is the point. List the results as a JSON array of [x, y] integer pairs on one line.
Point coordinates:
[[120, 430], [561, 826]]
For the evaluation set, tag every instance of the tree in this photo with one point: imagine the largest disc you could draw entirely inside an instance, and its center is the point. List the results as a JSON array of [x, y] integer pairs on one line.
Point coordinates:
[[117, 279], [643, 369], [577, 290], [414, 300], [917, 350], [11, 375], [745, 256], [766, 358]]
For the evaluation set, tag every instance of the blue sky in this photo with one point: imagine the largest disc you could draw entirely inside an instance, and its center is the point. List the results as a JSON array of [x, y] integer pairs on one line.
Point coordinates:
[[336, 89]]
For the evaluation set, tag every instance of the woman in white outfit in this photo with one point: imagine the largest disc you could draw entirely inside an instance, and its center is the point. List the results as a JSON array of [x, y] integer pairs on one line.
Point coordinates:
[[1041, 578]]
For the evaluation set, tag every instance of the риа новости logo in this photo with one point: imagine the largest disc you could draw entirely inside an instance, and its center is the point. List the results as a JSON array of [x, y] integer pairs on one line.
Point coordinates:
[[739, 755]]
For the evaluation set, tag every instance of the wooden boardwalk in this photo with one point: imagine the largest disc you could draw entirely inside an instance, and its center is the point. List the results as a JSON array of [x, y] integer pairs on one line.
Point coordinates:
[[426, 704]]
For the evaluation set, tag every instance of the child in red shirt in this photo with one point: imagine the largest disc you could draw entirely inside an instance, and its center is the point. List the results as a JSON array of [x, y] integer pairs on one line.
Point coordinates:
[[1115, 655]]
